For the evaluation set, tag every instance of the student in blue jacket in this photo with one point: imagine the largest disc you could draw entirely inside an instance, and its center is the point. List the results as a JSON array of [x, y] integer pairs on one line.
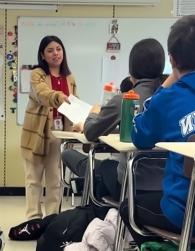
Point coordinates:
[[168, 116]]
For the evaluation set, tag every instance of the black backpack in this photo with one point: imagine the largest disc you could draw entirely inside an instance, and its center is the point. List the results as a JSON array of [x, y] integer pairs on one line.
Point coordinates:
[[69, 226]]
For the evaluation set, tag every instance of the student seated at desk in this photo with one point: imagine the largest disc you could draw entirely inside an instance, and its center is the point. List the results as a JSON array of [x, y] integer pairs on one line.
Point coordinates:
[[168, 116], [77, 161], [146, 64]]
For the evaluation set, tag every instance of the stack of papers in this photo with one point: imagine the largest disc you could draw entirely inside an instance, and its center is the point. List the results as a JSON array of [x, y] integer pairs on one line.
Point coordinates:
[[77, 111]]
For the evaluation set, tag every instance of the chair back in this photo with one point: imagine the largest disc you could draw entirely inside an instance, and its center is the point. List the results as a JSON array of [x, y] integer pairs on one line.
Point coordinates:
[[188, 162], [185, 239]]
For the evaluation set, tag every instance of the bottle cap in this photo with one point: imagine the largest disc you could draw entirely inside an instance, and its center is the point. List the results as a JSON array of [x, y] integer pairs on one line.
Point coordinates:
[[131, 95], [108, 87]]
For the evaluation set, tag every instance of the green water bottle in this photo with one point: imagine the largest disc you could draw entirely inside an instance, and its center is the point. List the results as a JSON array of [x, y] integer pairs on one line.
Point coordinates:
[[129, 108]]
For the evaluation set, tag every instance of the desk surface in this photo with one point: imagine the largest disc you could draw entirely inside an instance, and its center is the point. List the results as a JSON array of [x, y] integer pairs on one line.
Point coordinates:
[[184, 148], [81, 137], [113, 141], [63, 134], [70, 135]]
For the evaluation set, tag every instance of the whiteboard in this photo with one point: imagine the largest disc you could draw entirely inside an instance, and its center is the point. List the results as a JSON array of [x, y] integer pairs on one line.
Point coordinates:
[[85, 42]]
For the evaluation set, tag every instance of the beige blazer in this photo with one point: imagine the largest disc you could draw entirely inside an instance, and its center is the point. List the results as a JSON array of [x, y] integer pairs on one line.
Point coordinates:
[[38, 120]]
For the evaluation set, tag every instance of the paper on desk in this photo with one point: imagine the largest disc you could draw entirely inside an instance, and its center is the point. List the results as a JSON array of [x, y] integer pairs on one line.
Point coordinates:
[[77, 111]]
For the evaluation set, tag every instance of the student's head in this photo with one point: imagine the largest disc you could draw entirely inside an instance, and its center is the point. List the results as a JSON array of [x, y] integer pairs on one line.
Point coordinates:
[[126, 85], [146, 59], [51, 54], [181, 44]]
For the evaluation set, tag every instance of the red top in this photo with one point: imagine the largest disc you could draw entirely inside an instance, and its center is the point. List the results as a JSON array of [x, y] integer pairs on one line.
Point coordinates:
[[59, 84]]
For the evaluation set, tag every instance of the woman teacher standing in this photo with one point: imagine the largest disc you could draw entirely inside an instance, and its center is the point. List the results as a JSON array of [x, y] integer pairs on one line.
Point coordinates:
[[51, 84]]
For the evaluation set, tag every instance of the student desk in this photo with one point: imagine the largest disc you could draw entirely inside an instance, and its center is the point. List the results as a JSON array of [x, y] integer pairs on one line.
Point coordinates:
[[68, 138], [128, 149], [101, 146], [71, 136], [186, 149], [75, 137], [132, 155], [63, 135], [113, 140]]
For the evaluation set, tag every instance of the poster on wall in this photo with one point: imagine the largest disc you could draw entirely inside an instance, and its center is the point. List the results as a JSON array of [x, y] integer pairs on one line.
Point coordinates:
[[112, 69]]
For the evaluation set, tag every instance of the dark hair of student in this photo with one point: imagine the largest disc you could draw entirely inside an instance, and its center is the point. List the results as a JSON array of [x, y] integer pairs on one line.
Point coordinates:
[[64, 69], [146, 59], [181, 43], [126, 85]]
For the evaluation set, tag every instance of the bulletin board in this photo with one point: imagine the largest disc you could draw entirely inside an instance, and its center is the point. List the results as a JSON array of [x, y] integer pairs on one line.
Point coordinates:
[[85, 41]]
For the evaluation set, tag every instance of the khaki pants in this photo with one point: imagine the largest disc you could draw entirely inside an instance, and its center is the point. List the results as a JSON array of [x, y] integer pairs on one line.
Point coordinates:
[[48, 169]]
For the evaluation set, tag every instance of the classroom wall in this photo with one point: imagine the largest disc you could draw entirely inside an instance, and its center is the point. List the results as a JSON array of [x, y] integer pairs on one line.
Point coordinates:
[[2, 85], [11, 168]]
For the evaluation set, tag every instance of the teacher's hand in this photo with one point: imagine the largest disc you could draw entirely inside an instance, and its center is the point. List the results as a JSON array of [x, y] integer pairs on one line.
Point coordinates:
[[61, 99], [95, 109], [78, 127], [66, 99]]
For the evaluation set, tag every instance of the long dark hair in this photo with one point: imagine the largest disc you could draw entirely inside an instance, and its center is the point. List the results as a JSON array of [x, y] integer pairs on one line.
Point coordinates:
[[64, 69]]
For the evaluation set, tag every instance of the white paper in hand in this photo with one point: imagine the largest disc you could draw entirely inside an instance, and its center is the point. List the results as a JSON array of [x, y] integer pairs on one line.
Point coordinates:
[[77, 111]]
